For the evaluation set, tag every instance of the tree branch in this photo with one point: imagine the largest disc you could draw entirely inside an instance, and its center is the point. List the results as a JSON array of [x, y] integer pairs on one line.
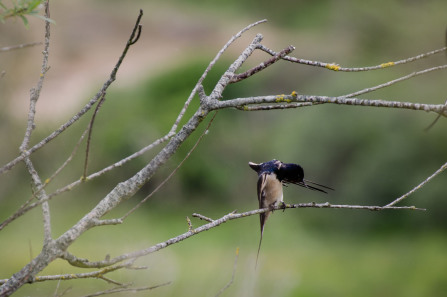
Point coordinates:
[[19, 46], [126, 289], [437, 172], [335, 67], [263, 65], [310, 100]]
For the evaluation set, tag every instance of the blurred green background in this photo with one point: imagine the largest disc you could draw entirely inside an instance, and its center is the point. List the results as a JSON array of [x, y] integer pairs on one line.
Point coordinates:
[[370, 156]]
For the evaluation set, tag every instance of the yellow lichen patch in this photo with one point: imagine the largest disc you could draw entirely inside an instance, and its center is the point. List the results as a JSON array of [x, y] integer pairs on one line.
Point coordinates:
[[384, 65], [294, 94], [280, 98], [334, 67]]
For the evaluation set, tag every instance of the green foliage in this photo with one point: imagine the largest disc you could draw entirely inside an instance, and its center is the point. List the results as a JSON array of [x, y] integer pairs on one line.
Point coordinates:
[[22, 9]]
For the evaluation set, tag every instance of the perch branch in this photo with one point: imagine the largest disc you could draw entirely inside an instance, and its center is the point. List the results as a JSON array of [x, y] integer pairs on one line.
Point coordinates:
[[214, 223]]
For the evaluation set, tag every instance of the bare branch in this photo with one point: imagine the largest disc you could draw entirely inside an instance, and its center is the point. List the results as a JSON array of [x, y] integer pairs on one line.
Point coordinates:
[[53, 249], [437, 172], [84, 110], [263, 65], [90, 129], [214, 223], [229, 74], [35, 94], [208, 69], [335, 67], [126, 289], [19, 46], [241, 103], [202, 217], [437, 118], [71, 276], [392, 82]]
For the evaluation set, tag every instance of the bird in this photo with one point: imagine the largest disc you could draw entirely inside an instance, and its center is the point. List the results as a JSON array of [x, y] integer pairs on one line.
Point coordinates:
[[272, 175]]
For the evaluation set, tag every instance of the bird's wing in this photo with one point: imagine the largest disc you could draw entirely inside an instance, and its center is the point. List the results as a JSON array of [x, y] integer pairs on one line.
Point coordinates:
[[262, 181], [290, 173]]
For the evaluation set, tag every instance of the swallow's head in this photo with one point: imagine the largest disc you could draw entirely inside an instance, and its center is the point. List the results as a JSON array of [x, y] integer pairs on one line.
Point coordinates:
[[270, 166]]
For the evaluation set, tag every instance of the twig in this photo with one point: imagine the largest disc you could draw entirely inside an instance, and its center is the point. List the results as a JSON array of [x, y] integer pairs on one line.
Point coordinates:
[[437, 118], [93, 274], [41, 195], [188, 221], [90, 130], [35, 92], [263, 65], [392, 82], [437, 172], [34, 97], [202, 217], [232, 275], [69, 159], [125, 289], [23, 45]]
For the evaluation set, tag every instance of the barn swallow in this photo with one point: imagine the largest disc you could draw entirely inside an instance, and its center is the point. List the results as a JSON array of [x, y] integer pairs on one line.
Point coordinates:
[[272, 176]]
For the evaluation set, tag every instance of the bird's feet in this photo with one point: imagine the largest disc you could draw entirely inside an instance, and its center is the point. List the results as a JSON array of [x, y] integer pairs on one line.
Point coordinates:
[[282, 205]]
